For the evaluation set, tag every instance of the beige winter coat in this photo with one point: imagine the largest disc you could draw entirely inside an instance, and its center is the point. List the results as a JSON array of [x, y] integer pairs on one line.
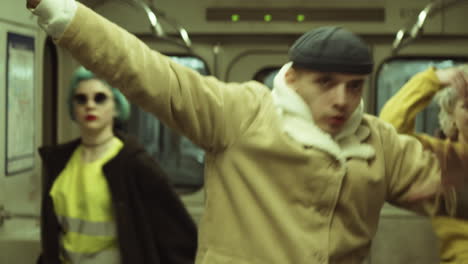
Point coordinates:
[[270, 199]]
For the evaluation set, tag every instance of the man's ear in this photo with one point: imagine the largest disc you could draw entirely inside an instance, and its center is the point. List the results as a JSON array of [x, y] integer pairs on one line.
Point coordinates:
[[290, 76]]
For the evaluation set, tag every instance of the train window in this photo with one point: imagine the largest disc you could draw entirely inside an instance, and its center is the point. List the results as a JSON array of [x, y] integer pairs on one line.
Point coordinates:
[[395, 72], [267, 75], [182, 160], [192, 62]]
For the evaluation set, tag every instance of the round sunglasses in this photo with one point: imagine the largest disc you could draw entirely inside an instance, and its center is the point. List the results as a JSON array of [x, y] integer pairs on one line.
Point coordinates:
[[99, 98]]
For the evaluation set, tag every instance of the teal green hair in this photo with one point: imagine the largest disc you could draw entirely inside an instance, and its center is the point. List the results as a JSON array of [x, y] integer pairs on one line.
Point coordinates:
[[82, 74]]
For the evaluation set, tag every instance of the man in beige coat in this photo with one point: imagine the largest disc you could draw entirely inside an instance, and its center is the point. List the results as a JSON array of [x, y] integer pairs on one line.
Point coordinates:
[[297, 175]]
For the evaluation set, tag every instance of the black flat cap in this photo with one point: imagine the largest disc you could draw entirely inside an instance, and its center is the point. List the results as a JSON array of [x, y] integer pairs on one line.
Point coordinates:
[[332, 49]]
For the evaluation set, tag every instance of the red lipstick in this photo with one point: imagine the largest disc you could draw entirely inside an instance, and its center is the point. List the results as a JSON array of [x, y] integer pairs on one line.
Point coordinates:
[[91, 117]]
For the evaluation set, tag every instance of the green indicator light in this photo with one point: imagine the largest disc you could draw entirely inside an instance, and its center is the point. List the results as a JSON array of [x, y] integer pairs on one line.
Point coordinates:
[[267, 17], [300, 17], [235, 17]]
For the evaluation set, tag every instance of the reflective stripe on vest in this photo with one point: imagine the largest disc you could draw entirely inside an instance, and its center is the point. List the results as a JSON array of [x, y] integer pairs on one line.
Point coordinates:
[[108, 256], [80, 226]]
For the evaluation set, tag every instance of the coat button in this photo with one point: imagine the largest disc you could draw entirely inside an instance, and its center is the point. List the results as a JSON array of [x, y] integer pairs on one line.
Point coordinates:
[[319, 257], [336, 165], [323, 211]]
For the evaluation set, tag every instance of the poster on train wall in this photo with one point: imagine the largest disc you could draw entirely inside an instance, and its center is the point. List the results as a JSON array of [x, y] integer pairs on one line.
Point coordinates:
[[20, 121]]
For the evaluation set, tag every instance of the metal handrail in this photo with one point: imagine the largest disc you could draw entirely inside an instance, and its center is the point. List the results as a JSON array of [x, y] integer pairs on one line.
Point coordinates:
[[405, 36], [152, 18], [174, 24], [155, 16], [6, 215]]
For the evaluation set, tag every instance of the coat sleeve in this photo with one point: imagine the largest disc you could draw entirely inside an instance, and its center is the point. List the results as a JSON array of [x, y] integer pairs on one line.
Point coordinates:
[[211, 113], [414, 174], [174, 230]]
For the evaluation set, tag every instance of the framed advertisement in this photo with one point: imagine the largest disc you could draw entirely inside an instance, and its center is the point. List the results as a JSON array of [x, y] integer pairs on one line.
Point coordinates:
[[20, 98]]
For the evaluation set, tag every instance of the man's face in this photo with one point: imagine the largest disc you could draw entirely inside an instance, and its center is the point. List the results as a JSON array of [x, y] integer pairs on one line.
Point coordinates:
[[331, 97]]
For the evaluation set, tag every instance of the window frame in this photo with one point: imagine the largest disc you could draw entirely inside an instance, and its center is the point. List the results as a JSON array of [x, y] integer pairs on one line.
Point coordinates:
[[185, 55], [375, 78], [268, 70]]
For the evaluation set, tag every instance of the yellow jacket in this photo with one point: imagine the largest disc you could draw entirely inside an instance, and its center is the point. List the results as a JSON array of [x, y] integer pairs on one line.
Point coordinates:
[[401, 111], [269, 199]]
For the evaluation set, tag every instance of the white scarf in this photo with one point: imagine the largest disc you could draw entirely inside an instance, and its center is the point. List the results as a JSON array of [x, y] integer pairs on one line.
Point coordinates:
[[299, 124]]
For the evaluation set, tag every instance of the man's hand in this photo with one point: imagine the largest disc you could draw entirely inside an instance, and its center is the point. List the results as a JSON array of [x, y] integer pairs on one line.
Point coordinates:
[[456, 78], [32, 3]]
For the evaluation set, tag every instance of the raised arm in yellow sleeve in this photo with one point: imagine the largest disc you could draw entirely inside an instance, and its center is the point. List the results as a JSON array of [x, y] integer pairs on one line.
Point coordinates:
[[412, 98]]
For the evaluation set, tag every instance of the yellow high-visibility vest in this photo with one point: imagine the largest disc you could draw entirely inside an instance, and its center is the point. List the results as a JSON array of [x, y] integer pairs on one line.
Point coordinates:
[[83, 205]]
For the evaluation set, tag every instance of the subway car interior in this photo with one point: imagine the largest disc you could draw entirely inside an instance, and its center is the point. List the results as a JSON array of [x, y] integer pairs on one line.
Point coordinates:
[[234, 41]]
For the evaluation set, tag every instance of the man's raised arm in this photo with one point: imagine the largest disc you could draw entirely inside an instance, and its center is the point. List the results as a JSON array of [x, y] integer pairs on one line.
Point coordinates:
[[208, 111]]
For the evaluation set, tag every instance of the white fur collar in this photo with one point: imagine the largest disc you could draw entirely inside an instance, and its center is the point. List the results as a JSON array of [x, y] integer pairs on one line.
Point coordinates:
[[299, 124]]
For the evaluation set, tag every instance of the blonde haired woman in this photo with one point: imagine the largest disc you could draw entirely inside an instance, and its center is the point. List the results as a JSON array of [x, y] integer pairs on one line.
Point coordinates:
[[453, 113], [450, 89]]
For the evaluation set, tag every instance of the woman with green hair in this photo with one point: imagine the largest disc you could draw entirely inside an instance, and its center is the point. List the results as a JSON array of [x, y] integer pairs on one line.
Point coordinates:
[[121, 104], [105, 199]]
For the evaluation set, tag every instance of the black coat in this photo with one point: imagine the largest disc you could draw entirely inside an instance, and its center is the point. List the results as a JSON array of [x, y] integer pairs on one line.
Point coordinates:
[[153, 225]]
